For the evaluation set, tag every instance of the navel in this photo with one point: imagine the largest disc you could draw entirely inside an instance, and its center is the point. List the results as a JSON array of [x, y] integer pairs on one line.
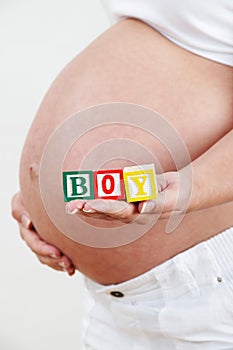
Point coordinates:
[[34, 170]]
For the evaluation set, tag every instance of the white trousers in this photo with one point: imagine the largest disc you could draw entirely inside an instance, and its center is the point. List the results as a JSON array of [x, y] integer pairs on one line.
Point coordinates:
[[185, 303]]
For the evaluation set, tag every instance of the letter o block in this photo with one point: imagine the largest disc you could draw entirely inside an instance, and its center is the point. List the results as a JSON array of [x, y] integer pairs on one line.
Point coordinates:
[[78, 185], [109, 184]]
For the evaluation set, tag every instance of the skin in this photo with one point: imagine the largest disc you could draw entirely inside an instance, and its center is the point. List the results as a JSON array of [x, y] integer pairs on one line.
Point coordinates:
[[47, 254], [199, 92]]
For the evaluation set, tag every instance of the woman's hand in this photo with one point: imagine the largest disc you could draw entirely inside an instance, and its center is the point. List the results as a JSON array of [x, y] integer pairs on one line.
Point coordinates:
[[110, 210], [46, 253], [168, 193], [163, 206]]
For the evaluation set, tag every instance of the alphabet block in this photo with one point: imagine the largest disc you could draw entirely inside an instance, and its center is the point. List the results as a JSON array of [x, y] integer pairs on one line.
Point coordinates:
[[109, 184], [78, 185], [140, 183]]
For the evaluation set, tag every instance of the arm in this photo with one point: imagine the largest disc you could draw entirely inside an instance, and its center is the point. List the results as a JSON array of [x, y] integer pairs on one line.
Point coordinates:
[[212, 182], [215, 169], [212, 185]]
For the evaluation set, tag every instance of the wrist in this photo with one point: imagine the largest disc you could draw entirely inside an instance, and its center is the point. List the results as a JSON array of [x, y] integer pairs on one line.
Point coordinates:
[[190, 187], [201, 193]]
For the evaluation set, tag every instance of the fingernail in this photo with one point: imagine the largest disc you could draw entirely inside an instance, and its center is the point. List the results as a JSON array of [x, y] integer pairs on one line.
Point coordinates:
[[54, 256], [26, 222], [148, 207], [89, 210], [62, 265], [71, 211]]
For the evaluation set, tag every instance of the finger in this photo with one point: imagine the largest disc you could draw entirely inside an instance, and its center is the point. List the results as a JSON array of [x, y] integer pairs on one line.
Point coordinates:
[[71, 271], [50, 262], [153, 206], [113, 208], [18, 211], [163, 205], [75, 206], [104, 209], [37, 245], [47, 253], [66, 264], [18, 207], [58, 264], [148, 207], [157, 206]]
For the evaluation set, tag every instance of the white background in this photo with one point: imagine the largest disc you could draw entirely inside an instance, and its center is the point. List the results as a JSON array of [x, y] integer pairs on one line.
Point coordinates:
[[40, 309]]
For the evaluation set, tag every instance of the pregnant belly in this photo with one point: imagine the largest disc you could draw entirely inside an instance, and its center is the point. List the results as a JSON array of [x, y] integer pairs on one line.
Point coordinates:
[[133, 63]]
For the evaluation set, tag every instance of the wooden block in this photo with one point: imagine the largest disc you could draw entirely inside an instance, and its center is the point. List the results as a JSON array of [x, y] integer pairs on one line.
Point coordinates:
[[109, 184], [140, 183], [78, 185]]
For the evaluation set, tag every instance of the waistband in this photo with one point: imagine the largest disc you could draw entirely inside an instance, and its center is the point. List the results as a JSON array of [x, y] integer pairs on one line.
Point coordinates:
[[208, 260]]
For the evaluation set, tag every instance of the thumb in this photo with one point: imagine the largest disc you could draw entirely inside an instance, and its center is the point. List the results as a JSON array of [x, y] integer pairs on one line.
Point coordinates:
[[153, 206], [150, 207]]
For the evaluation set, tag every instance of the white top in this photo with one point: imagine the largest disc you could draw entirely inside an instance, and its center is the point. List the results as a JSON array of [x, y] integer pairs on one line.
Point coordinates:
[[204, 27]]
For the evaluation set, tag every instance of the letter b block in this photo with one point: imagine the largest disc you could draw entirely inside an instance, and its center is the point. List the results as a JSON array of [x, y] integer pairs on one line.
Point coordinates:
[[78, 185], [109, 184], [140, 183]]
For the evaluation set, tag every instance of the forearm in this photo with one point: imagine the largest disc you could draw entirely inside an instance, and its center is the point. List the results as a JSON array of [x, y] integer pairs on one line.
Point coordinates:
[[213, 175]]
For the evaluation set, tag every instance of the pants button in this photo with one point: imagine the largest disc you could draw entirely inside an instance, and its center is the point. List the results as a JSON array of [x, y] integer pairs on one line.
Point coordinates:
[[117, 294]]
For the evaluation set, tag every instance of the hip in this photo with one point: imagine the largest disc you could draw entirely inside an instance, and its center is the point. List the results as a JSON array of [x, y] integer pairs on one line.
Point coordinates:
[[180, 304]]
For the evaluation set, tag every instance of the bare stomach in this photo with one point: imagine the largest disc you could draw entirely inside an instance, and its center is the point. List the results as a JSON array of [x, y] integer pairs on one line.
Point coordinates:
[[133, 63]]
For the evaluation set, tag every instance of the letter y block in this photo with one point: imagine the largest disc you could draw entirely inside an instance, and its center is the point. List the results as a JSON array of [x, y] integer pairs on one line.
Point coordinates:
[[140, 183]]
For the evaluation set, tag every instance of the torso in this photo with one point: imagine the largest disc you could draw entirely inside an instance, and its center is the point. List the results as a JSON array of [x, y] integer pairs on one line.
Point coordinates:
[[131, 62]]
